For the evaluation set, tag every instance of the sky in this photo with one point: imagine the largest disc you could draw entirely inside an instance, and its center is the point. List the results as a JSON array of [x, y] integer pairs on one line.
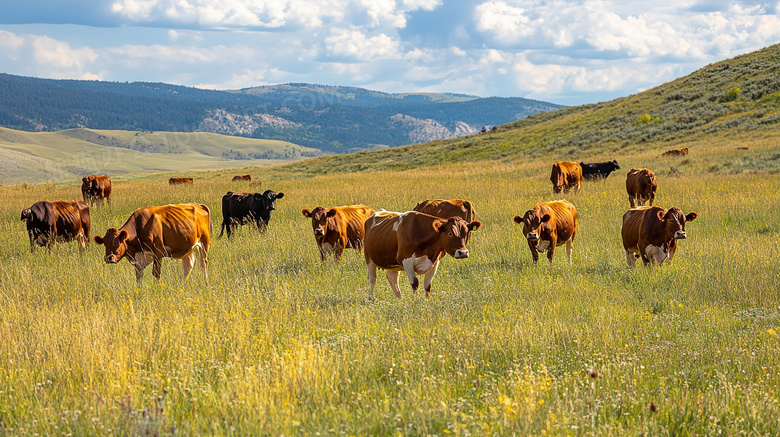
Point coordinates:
[[566, 52]]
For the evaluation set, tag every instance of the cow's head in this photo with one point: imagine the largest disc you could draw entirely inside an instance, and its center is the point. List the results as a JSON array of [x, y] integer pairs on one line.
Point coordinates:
[[532, 222], [27, 215], [265, 201], [453, 234], [674, 223], [116, 244], [614, 165], [319, 219]]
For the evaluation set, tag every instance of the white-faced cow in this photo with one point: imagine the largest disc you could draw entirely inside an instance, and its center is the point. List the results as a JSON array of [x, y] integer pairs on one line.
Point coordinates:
[[59, 220], [339, 228], [156, 232], [651, 233], [242, 208], [414, 243], [598, 170], [548, 225]]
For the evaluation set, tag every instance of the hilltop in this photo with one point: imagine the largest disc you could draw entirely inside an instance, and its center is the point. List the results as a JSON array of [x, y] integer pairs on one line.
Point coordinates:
[[332, 119], [728, 102]]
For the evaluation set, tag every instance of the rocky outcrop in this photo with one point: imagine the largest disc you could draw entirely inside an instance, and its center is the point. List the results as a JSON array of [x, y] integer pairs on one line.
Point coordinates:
[[421, 131], [221, 121]]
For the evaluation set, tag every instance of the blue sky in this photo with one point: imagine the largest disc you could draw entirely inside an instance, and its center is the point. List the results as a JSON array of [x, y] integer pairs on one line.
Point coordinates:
[[567, 52]]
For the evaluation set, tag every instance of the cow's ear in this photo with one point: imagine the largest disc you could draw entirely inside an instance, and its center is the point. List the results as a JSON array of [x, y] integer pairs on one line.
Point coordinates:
[[122, 236], [546, 218], [306, 213], [331, 212], [691, 216], [438, 225], [518, 220], [26, 214], [98, 239], [660, 214], [279, 195], [473, 226]]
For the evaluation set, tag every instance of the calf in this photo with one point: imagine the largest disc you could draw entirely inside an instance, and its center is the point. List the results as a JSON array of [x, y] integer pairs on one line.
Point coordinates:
[[652, 233], [412, 242], [676, 152], [242, 178], [178, 181], [156, 232], [548, 225], [640, 186], [59, 220], [95, 188], [242, 208], [339, 228], [598, 170], [566, 175]]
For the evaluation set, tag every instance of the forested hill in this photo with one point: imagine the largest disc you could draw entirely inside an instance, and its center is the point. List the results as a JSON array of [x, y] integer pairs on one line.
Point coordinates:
[[330, 118]]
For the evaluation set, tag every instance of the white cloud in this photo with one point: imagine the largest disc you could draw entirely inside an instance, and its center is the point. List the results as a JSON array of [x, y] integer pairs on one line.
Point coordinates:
[[506, 23], [58, 55], [10, 41], [353, 44]]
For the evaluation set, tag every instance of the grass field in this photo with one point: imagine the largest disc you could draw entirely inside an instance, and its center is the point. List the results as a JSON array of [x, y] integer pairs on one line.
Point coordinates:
[[278, 343]]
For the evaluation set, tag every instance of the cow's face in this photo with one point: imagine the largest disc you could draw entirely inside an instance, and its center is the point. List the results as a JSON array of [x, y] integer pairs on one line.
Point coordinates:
[[453, 234], [266, 201], [674, 222], [615, 165], [319, 219], [532, 223], [116, 244], [27, 215]]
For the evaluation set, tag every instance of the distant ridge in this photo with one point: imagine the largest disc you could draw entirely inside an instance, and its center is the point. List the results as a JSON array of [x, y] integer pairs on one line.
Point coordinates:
[[330, 118]]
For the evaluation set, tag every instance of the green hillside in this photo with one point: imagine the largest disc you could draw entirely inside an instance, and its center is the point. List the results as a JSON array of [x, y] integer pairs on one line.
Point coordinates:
[[28, 157], [729, 102]]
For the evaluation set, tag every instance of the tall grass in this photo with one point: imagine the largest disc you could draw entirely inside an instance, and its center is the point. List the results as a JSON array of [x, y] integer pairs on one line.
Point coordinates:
[[279, 343]]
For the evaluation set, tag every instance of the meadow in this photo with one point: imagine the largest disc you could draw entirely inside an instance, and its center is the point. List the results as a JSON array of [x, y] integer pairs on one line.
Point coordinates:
[[279, 343]]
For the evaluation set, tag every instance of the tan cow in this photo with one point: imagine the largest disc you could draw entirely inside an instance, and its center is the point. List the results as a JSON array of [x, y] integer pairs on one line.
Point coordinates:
[[339, 228], [58, 220], [156, 232], [641, 186], [566, 175], [412, 242], [676, 152], [178, 181], [548, 225], [651, 233], [242, 178]]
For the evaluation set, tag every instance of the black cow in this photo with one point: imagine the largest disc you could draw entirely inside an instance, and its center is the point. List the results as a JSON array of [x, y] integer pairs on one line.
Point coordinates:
[[243, 208], [598, 170], [59, 220]]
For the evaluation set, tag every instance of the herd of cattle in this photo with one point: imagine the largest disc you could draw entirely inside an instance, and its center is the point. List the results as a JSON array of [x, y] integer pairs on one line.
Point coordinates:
[[413, 242]]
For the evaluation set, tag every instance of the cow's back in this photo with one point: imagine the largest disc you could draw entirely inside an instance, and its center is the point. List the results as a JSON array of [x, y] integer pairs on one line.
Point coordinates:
[[447, 208], [380, 245], [180, 227], [632, 225], [68, 218], [564, 217], [353, 220]]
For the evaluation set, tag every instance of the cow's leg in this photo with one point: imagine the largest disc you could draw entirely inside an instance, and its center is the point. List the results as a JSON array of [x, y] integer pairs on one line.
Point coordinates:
[[652, 198], [408, 264], [534, 253], [392, 278], [82, 241], [631, 200], [568, 250], [551, 251], [371, 270], [203, 253], [322, 253], [338, 251], [187, 263], [429, 278], [630, 258], [32, 242], [157, 267]]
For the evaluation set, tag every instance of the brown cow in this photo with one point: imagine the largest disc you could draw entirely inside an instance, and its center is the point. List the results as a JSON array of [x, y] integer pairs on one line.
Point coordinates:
[[447, 208], [676, 152], [59, 220], [566, 175], [177, 181], [339, 228], [548, 225], [652, 233], [96, 187], [412, 242], [156, 232], [242, 178], [640, 186]]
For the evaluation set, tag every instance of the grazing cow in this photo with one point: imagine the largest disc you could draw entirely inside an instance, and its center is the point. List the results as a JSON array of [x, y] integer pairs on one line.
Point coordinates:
[[242, 178], [339, 228], [652, 233], [243, 208], [598, 170], [676, 152], [156, 232], [95, 188], [736, 148], [412, 242], [177, 181], [565, 176], [59, 220], [548, 225], [641, 186]]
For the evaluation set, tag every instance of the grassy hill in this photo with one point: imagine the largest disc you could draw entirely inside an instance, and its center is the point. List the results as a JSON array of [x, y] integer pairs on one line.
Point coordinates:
[[733, 102], [29, 157]]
